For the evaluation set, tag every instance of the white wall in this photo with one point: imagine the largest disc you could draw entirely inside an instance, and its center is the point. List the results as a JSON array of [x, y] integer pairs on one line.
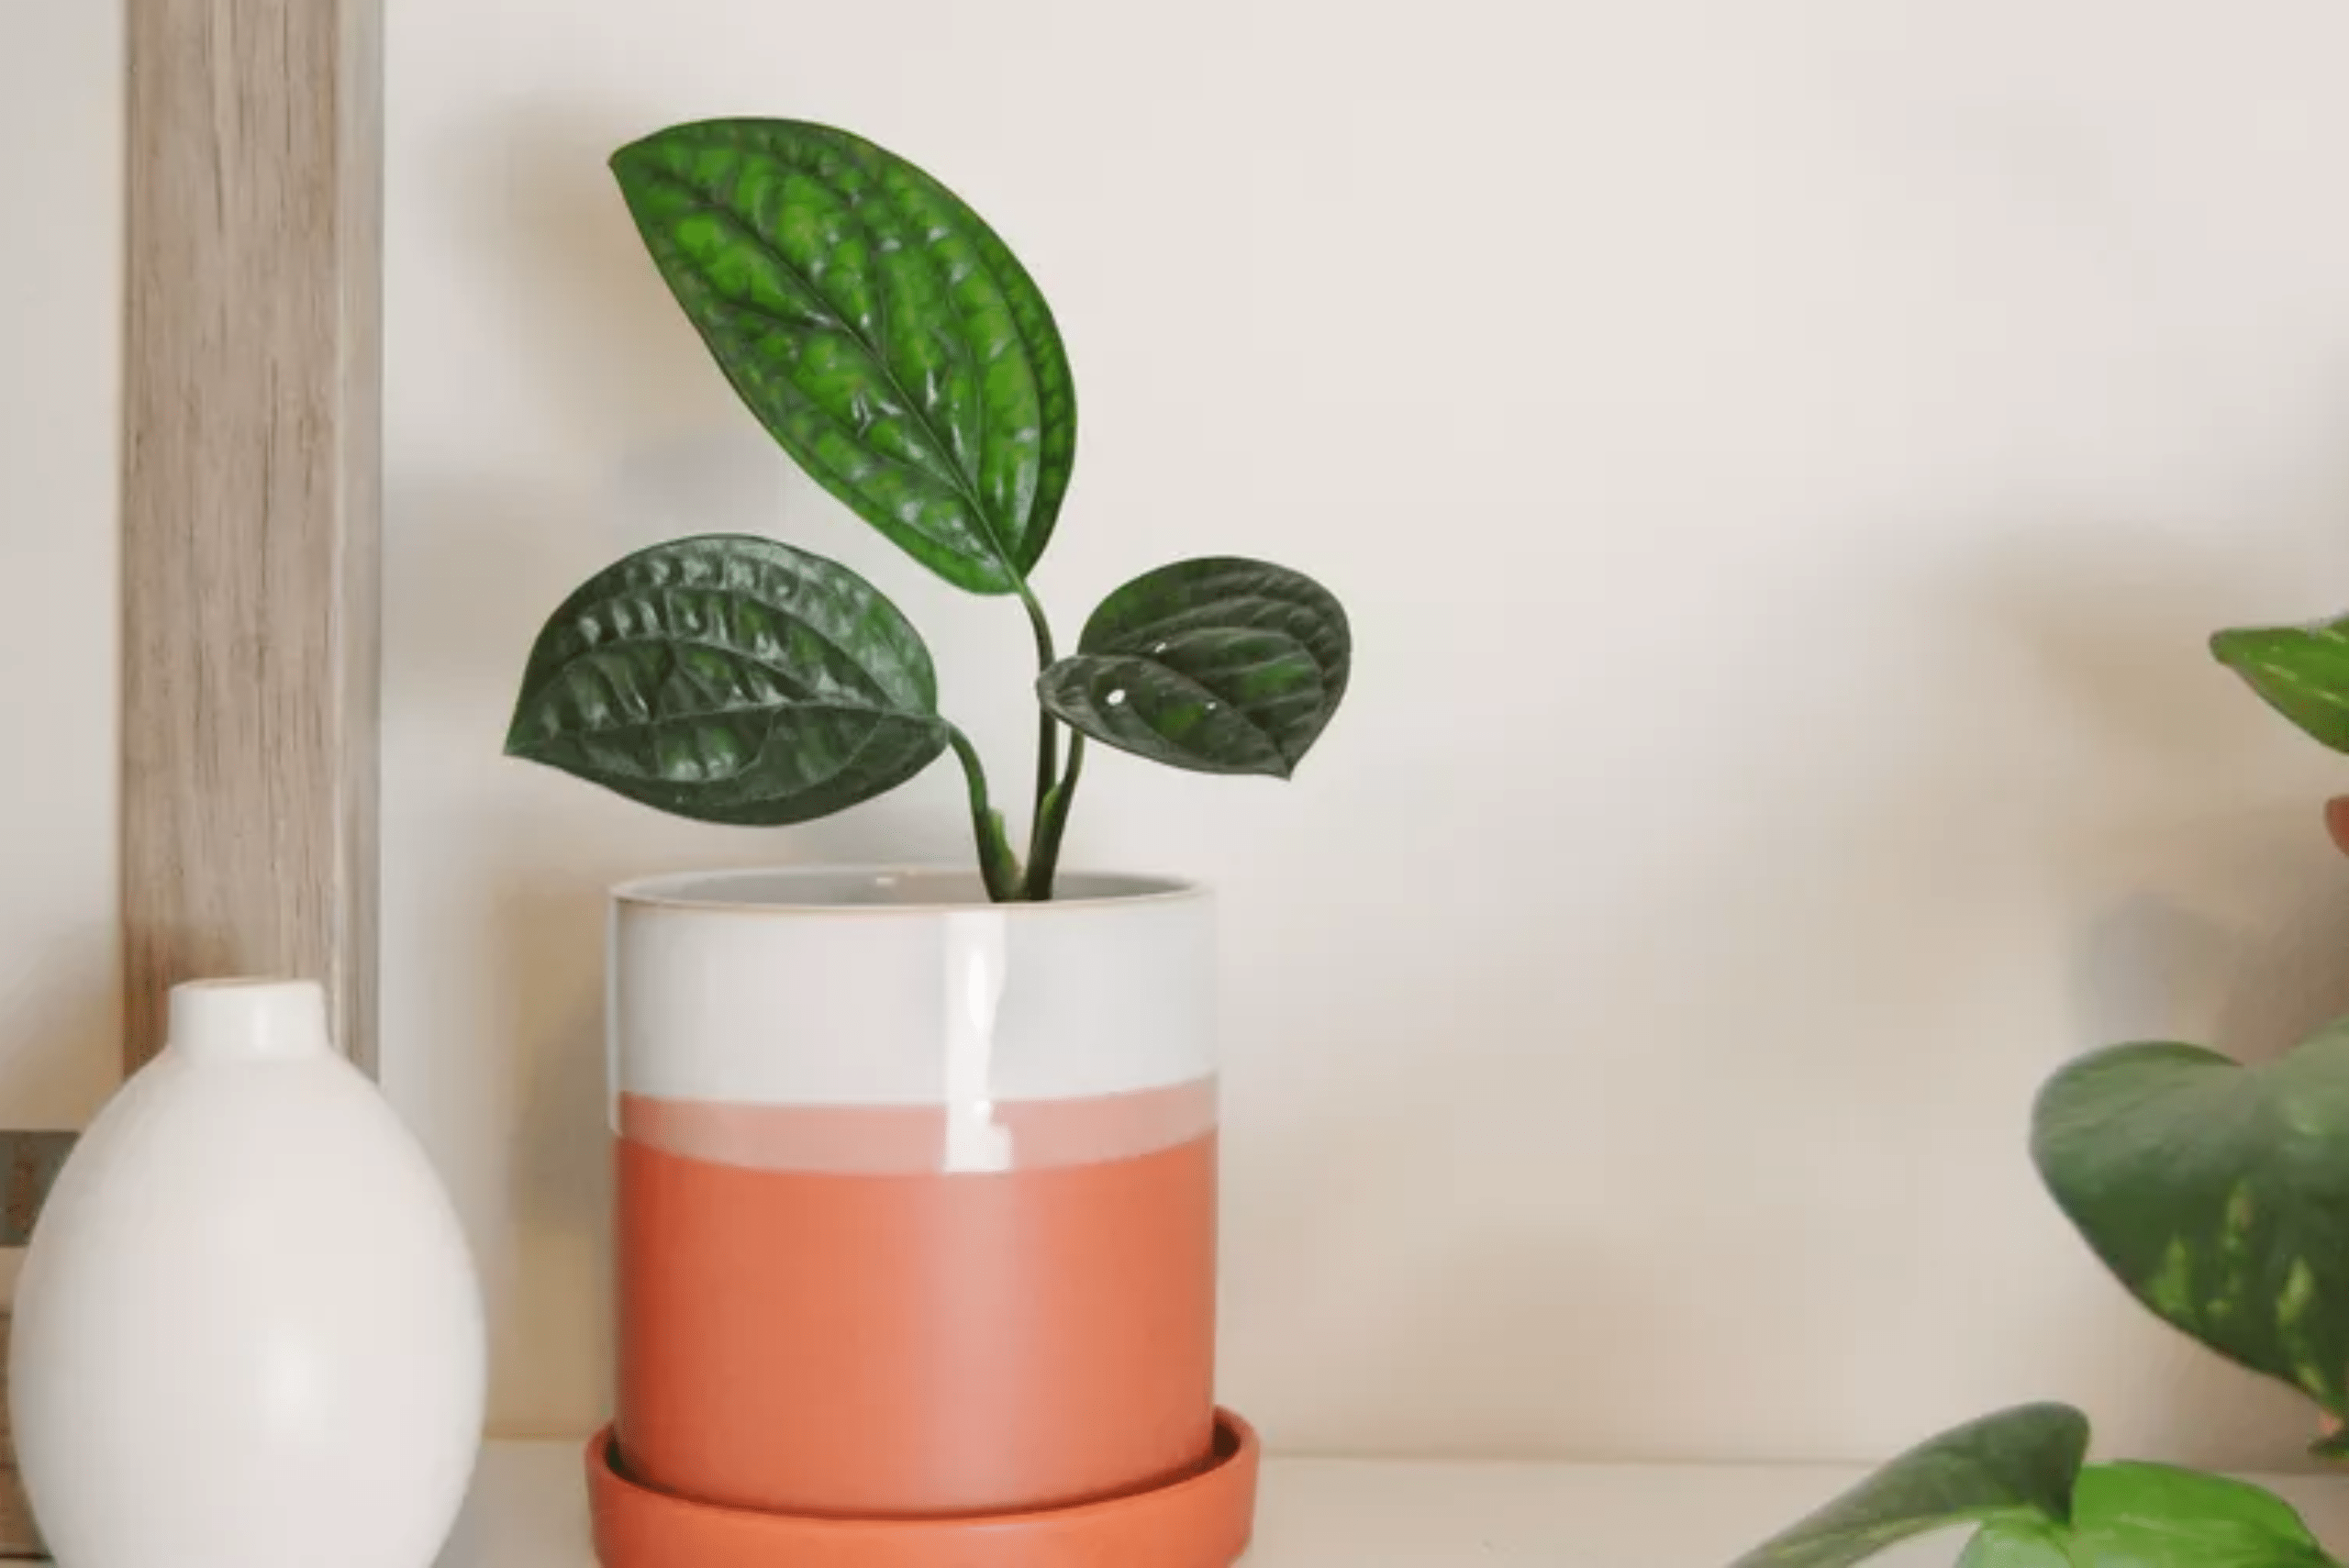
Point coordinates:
[[61, 351], [1783, 461]]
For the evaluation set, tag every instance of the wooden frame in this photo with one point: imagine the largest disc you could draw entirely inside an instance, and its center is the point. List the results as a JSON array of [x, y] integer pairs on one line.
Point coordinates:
[[250, 504], [250, 487]]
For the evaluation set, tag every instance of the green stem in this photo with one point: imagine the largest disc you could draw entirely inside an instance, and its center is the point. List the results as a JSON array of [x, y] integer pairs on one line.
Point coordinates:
[[1051, 821], [1048, 729], [998, 867]]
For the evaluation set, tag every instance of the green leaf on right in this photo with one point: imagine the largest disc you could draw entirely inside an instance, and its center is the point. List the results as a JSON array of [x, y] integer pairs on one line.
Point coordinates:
[[2301, 672], [2219, 1193], [2019, 1543], [2153, 1516], [2018, 1463], [886, 337], [730, 679], [1221, 665]]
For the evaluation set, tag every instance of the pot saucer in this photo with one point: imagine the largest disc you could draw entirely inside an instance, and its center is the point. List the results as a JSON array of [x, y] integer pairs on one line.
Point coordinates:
[[1202, 1519]]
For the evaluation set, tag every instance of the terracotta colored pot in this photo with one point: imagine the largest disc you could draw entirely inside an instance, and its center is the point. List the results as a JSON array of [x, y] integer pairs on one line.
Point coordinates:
[[1202, 1518], [915, 1207]]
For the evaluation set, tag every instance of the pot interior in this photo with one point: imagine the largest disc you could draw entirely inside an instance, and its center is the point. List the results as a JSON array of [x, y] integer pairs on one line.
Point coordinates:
[[879, 887]]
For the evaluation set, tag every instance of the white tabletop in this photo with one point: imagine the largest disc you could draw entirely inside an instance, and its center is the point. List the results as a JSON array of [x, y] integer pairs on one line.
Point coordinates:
[[529, 1510]]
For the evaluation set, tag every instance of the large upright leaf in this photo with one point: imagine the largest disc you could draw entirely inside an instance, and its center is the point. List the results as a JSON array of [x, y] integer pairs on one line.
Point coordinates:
[[2016, 1464], [2302, 671], [2218, 1194], [2151, 1516], [1220, 666], [730, 679], [876, 326]]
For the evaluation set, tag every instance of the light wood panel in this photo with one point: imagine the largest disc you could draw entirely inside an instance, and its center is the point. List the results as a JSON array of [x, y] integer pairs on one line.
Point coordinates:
[[251, 486], [251, 483]]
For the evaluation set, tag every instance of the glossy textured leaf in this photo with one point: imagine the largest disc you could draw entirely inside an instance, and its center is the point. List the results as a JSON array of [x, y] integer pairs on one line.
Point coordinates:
[[2218, 1194], [2016, 1464], [2302, 671], [1221, 665], [877, 327], [731, 680]]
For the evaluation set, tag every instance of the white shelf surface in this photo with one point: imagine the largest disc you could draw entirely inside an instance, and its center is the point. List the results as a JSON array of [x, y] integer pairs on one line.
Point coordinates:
[[529, 1510]]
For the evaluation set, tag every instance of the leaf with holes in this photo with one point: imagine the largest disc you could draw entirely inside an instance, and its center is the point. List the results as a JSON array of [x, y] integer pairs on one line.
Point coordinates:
[[2018, 1463], [2219, 1193], [730, 679], [2301, 672], [877, 327], [1221, 665]]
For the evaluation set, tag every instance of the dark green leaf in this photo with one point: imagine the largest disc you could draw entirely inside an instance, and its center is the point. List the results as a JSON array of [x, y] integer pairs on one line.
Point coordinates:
[[730, 679], [1222, 666], [876, 325], [2302, 671], [2218, 1194], [2016, 1464]]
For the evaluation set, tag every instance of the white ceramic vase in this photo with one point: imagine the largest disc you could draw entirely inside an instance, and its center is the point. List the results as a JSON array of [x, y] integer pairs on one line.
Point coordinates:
[[248, 1333]]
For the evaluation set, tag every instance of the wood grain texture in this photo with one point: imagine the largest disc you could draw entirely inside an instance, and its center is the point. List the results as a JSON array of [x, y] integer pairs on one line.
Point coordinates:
[[250, 487]]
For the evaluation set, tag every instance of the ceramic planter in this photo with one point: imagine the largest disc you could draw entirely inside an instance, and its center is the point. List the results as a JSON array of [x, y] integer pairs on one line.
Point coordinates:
[[916, 1227]]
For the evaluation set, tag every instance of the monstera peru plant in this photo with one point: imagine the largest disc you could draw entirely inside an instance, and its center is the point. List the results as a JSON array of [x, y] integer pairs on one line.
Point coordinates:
[[893, 346], [2219, 1195]]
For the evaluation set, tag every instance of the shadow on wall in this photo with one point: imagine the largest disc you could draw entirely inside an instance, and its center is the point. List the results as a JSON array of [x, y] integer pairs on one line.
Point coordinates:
[[63, 1028], [1801, 1064], [579, 293], [2226, 920]]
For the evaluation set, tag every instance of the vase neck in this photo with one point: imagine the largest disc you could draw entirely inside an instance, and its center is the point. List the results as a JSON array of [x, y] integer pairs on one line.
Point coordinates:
[[248, 1021]]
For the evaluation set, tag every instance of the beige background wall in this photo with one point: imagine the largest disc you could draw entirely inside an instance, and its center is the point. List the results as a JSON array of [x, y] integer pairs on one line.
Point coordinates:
[[61, 336], [1784, 460]]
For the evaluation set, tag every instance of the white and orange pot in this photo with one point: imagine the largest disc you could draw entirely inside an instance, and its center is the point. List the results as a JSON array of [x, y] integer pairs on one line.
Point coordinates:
[[916, 1228]]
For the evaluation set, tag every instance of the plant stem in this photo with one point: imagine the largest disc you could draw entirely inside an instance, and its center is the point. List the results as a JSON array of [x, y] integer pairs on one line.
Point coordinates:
[[998, 867], [1048, 729], [1051, 821]]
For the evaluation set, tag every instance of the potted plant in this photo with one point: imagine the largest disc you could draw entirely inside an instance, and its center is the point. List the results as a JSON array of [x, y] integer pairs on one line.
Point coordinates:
[[2219, 1195], [915, 1168]]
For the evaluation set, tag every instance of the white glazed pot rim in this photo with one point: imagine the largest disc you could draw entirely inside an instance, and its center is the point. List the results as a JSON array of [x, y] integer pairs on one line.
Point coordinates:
[[888, 890]]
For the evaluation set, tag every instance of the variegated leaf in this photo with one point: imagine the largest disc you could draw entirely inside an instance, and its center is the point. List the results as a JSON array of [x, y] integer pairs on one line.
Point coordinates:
[[2154, 1516], [2218, 1194], [2302, 671], [2015, 1465]]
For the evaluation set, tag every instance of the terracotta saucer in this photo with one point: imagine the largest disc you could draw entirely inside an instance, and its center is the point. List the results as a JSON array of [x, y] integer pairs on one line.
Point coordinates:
[[1201, 1520]]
